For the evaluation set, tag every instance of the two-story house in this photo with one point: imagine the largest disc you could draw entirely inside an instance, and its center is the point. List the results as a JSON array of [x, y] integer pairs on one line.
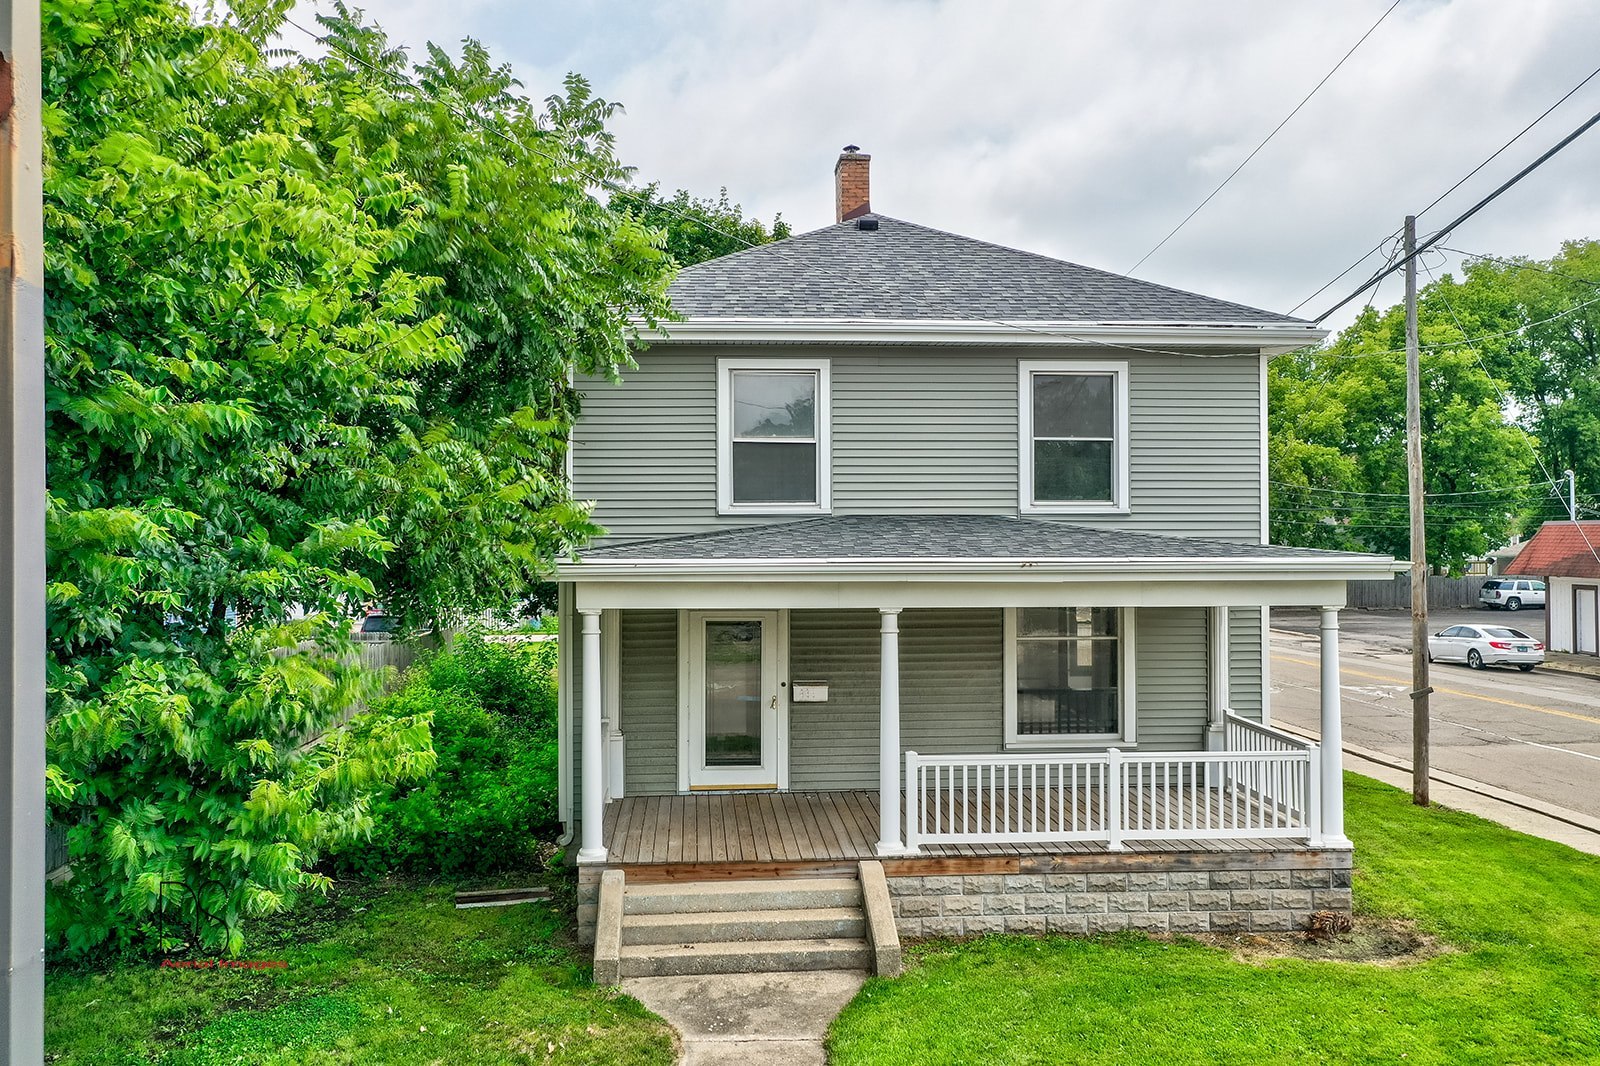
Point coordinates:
[[936, 554]]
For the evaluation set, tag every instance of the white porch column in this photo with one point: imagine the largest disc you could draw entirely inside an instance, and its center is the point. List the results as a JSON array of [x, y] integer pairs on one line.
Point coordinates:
[[594, 786], [889, 839], [1332, 736], [1216, 727]]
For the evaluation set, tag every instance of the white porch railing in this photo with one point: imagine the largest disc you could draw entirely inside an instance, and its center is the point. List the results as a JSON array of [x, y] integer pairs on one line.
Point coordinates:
[[1241, 734], [1112, 796]]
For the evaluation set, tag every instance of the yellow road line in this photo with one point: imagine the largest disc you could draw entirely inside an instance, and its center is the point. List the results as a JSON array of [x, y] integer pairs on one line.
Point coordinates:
[[1347, 672]]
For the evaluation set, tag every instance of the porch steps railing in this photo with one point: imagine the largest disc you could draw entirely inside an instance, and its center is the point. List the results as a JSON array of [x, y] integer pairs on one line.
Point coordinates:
[[1267, 789]]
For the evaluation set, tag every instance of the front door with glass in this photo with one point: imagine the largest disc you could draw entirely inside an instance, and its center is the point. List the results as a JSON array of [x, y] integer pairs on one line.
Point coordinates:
[[733, 701]]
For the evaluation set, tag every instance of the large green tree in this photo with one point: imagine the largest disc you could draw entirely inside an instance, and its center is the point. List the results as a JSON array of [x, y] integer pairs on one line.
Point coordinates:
[[1539, 327], [308, 338], [1337, 443]]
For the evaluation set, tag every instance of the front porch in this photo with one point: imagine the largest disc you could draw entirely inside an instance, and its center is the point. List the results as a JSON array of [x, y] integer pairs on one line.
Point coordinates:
[[1228, 881], [792, 832]]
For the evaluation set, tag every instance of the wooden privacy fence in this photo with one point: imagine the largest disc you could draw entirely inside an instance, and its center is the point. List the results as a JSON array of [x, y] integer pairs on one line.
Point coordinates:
[[380, 654], [1395, 595]]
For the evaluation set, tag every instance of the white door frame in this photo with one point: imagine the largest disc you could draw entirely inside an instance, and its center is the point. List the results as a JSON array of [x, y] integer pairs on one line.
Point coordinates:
[[693, 775], [1579, 637]]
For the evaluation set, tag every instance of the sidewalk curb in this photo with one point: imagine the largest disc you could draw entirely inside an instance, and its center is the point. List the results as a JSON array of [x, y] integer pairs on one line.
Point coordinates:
[[1565, 815]]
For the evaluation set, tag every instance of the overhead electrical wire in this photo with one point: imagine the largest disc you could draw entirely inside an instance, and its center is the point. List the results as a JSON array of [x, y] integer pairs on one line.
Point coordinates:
[[1466, 341], [1518, 264], [1256, 150], [1444, 232], [774, 248], [1463, 180], [627, 193], [1505, 401]]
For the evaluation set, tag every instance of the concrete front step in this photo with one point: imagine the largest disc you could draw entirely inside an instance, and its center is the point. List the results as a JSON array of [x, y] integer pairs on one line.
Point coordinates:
[[752, 956], [713, 927], [699, 897]]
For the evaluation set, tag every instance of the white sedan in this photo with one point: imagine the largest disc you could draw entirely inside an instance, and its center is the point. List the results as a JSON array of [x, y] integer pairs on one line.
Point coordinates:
[[1481, 646]]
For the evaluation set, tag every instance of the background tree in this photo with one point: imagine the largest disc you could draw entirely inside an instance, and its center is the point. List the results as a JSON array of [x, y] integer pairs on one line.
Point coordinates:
[[698, 229], [307, 343], [1337, 443], [1540, 320]]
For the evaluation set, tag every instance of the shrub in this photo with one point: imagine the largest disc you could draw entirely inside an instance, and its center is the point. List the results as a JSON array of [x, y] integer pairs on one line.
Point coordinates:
[[514, 680], [492, 799]]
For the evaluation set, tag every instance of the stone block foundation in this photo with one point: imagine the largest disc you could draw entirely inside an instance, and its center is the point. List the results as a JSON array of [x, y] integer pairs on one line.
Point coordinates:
[[1184, 892], [588, 901]]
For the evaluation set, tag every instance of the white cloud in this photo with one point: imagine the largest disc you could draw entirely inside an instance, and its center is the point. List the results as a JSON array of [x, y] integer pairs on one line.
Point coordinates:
[[1086, 131]]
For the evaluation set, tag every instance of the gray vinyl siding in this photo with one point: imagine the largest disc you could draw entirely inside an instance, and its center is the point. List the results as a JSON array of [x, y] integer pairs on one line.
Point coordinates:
[[835, 744], [1244, 661], [952, 670], [1171, 678], [925, 430], [648, 696], [951, 691], [647, 692]]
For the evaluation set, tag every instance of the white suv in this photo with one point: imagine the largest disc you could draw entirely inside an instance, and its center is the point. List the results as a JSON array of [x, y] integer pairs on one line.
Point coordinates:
[[1511, 593]]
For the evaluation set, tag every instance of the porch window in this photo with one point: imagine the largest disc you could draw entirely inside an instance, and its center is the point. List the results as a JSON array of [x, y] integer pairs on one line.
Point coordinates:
[[772, 453], [1074, 443], [1064, 675]]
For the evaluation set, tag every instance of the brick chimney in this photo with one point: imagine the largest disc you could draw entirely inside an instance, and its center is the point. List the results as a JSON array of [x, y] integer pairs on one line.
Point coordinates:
[[852, 184]]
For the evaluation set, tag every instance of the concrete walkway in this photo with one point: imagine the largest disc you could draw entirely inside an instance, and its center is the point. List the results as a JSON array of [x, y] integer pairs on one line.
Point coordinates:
[[752, 1019]]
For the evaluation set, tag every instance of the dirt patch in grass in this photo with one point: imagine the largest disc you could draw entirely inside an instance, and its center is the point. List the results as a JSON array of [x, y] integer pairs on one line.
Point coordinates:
[[1373, 941]]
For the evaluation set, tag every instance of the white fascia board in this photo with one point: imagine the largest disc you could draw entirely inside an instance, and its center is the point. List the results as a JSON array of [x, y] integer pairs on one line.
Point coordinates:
[[1348, 567], [1269, 338], [998, 591]]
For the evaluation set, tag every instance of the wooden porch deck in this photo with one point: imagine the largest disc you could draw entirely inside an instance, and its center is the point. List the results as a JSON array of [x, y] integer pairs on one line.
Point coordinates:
[[819, 827]]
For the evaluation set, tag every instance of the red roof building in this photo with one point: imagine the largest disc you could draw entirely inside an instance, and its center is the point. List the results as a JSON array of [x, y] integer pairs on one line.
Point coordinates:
[[1567, 554], [1561, 549]]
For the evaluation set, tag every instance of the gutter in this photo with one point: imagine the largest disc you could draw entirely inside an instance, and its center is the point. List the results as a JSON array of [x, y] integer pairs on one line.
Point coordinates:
[[855, 568], [1268, 338]]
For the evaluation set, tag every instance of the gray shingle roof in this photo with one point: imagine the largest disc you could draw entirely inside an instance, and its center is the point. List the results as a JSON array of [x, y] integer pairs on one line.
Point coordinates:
[[903, 271], [933, 537]]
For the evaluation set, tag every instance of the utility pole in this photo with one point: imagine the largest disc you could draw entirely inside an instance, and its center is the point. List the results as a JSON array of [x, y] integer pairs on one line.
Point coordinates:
[[1572, 494], [21, 536], [1419, 544]]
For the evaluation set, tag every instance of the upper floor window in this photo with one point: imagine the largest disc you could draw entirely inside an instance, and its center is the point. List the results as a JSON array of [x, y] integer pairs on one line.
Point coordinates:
[[772, 436], [1074, 436]]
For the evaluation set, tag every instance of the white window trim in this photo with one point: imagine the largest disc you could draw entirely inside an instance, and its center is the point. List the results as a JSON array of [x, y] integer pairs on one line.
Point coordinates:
[[1126, 701], [1118, 504], [824, 413]]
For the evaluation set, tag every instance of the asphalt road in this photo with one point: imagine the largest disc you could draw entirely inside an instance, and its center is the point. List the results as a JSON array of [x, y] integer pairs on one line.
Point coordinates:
[[1536, 734], [1392, 629]]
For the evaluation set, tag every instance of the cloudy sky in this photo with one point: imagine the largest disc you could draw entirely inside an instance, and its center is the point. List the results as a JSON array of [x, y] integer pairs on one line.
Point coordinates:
[[1087, 130]]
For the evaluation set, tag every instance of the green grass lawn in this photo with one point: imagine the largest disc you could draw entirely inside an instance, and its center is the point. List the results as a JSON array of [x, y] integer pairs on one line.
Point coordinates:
[[1523, 985], [372, 977]]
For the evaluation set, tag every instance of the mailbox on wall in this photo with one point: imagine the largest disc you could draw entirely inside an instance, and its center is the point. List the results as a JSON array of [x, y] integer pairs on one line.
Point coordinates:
[[810, 692]]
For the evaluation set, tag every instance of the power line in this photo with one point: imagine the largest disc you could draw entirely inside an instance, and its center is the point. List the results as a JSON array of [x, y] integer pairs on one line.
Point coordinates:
[[1364, 257], [1505, 402], [1466, 341], [1436, 200], [1532, 485], [1515, 138], [1263, 144], [627, 193], [1468, 213], [1519, 264]]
